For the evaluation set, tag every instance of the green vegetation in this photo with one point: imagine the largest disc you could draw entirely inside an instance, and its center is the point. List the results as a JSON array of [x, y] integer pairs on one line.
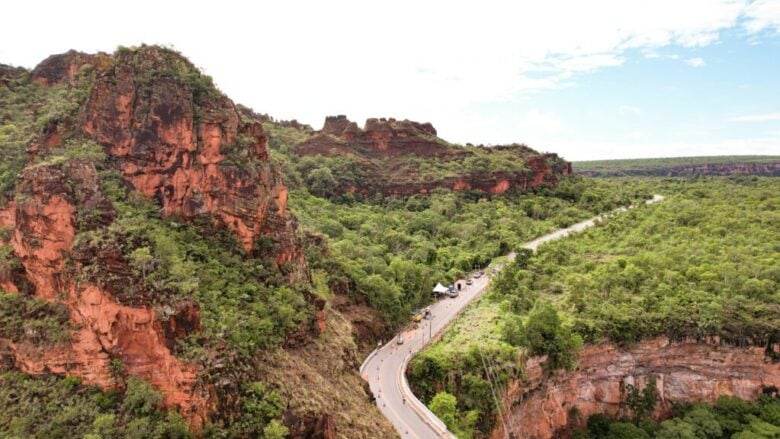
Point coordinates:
[[392, 251], [702, 262], [245, 304], [55, 407], [27, 111], [52, 407], [349, 172], [543, 334], [611, 168], [260, 411], [243, 301], [641, 401], [156, 63], [444, 405], [72, 149], [32, 320], [730, 417]]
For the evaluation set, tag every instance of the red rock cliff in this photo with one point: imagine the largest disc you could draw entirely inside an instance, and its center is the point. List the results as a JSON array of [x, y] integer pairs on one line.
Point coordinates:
[[44, 222], [177, 141], [189, 152], [685, 372], [384, 147]]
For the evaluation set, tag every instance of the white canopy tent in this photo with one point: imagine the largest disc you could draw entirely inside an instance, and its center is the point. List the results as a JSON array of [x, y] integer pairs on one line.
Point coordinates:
[[439, 289]]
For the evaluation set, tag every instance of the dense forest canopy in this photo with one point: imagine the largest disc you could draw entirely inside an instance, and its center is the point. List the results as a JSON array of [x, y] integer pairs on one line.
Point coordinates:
[[393, 250], [704, 262]]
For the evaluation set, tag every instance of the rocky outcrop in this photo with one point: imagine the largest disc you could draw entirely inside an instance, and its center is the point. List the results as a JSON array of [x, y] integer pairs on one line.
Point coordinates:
[[170, 135], [309, 427], [688, 371], [384, 148], [9, 73], [61, 68], [192, 153], [379, 137], [106, 333]]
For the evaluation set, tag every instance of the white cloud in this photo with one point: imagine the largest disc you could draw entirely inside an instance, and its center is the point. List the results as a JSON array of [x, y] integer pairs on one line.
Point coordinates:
[[763, 14], [695, 62], [435, 60], [757, 117], [287, 56]]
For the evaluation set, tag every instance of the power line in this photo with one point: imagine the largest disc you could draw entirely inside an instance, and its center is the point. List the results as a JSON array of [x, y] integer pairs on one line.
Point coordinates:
[[493, 391]]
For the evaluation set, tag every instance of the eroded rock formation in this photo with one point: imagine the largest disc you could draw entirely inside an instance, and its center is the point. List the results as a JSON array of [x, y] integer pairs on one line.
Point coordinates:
[[384, 145], [190, 151], [174, 138], [687, 371], [45, 223]]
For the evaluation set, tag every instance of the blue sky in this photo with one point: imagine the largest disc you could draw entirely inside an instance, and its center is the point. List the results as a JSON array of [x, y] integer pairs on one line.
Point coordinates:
[[590, 80], [703, 100]]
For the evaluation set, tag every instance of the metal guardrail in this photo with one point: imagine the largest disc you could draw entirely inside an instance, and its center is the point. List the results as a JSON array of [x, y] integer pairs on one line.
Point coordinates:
[[368, 358], [423, 412]]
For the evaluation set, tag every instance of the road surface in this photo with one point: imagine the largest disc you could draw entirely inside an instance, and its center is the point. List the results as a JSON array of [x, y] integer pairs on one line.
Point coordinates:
[[384, 368]]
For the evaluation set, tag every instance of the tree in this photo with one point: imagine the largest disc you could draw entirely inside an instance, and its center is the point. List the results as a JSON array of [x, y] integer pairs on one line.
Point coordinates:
[[275, 430], [641, 402], [677, 429], [624, 430], [142, 261], [322, 183], [444, 405], [705, 422], [598, 425], [141, 399], [545, 335], [523, 258]]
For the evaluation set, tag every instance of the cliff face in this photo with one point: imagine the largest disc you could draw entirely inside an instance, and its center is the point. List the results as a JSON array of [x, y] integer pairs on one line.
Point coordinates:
[[44, 226], [173, 148], [390, 153], [182, 144], [685, 372]]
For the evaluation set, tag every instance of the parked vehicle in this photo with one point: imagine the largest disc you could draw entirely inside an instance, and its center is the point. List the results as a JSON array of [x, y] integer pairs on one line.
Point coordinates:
[[469, 282], [453, 294], [400, 340]]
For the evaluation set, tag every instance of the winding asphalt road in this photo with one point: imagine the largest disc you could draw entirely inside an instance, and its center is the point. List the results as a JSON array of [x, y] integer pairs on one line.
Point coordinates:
[[384, 368]]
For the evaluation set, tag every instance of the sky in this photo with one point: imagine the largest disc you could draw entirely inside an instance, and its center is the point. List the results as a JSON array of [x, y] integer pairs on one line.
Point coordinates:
[[587, 79]]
